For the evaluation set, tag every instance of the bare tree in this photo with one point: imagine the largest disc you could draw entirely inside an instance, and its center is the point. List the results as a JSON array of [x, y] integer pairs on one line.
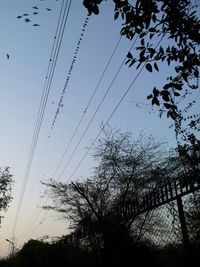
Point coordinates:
[[126, 169]]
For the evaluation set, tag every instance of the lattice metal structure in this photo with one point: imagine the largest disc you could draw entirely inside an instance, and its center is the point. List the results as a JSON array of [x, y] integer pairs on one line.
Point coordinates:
[[163, 215], [160, 218], [164, 193]]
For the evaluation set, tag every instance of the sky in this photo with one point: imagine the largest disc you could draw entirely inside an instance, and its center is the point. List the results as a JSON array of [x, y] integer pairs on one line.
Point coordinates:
[[22, 79]]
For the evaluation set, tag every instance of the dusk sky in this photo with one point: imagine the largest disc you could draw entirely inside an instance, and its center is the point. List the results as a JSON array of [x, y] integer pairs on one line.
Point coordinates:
[[22, 79]]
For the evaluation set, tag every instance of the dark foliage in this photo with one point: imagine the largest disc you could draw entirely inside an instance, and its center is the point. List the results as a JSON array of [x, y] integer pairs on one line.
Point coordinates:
[[5, 188], [169, 32], [127, 253]]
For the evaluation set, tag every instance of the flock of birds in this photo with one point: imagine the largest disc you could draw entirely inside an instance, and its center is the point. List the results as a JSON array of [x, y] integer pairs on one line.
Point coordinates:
[[27, 19], [26, 16]]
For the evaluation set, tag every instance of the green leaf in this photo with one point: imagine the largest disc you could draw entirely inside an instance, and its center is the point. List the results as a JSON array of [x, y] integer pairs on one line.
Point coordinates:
[[129, 55], [149, 67], [196, 73], [166, 86], [156, 66], [127, 61], [98, 1], [165, 95], [116, 15], [167, 105], [155, 101], [185, 77], [95, 9], [132, 62], [178, 86], [142, 34], [176, 94], [142, 58], [154, 18], [155, 92], [152, 29], [172, 114], [151, 35], [138, 65], [149, 96]]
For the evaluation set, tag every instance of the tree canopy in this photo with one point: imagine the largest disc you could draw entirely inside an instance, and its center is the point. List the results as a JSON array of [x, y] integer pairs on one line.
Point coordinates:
[[5, 188], [126, 169], [169, 33]]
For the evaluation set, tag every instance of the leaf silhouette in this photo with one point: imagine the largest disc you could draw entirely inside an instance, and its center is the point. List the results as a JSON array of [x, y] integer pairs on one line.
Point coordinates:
[[156, 66], [149, 67]]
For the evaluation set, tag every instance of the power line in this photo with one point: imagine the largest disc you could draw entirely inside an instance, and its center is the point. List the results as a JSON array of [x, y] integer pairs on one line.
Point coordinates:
[[65, 86], [109, 118], [60, 103], [62, 95], [97, 109], [52, 64], [79, 123], [42, 107], [86, 129], [86, 109], [67, 82], [111, 115]]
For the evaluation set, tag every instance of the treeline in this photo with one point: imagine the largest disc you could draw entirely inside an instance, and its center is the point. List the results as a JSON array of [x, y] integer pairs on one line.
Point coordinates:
[[130, 253], [126, 170]]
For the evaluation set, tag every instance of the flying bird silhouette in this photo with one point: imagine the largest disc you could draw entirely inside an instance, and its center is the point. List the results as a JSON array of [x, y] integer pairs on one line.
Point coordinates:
[[48, 9], [36, 25], [35, 13], [8, 56], [27, 20], [19, 17], [25, 15], [35, 7]]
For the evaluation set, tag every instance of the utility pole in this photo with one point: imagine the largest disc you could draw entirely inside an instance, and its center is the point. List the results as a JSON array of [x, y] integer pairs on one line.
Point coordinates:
[[186, 240], [13, 246]]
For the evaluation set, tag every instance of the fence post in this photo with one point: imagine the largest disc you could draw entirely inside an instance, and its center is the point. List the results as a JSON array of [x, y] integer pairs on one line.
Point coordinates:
[[186, 241]]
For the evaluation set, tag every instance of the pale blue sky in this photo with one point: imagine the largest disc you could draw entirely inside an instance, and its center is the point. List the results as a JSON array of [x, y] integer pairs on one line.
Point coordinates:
[[22, 79]]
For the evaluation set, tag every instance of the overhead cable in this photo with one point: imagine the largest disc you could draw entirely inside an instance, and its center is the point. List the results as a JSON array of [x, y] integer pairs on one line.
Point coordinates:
[[42, 107]]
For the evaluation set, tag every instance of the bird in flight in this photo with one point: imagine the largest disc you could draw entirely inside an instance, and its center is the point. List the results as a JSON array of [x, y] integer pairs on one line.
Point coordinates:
[[25, 15], [27, 20], [35, 7], [48, 9], [8, 56], [35, 13], [36, 25], [19, 17]]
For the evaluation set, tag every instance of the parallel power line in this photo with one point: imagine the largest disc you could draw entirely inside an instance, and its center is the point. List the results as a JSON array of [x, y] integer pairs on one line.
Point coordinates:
[[86, 129], [113, 112], [62, 21], [86, 108], [37, 213], [107, 121], [62, 97], [60, 104], [95, 113]]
